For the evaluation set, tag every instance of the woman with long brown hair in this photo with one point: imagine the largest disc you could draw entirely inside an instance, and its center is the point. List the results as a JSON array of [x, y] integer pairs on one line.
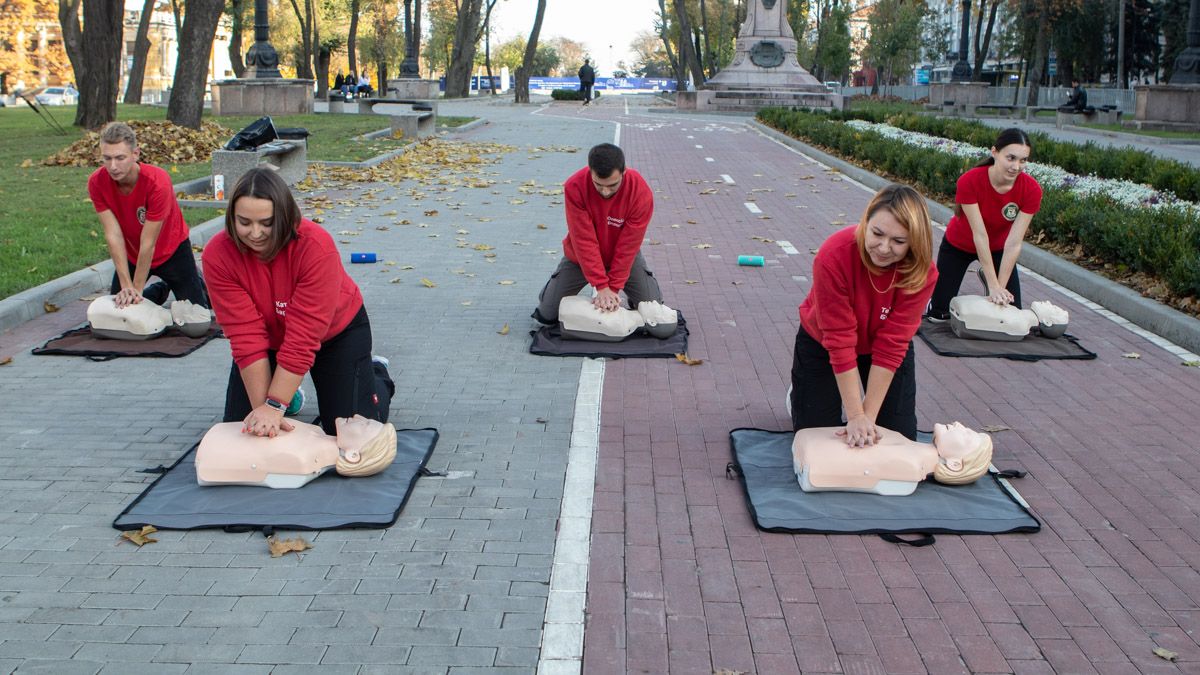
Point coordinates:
[[871, 282]]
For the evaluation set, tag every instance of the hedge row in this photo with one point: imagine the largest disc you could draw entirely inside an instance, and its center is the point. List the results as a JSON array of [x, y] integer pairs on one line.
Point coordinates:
[[1128, 164], [570, 94], [1163, 242]]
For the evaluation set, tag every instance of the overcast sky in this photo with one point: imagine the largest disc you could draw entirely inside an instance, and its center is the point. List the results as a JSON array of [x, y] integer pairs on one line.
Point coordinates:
[[596, 24]]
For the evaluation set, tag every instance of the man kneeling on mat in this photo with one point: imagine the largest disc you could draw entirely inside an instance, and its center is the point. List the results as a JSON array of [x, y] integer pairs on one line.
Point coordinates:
[[608, 209], [228, 456], [893, 465]]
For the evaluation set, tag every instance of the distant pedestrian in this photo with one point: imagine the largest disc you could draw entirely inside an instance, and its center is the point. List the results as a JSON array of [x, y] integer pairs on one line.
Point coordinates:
[[993, 206], [339, 82], [349, 85], [587, 79], [1077, 101]]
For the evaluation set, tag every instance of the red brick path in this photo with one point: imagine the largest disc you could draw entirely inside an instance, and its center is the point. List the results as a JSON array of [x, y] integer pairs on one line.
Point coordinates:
[[682, 582]]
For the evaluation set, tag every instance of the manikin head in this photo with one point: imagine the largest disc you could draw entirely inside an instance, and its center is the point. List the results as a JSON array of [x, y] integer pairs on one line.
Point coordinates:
[[895, 233], [1052, 319], [119, 153], [963, 454], [606, 164], [262, 216], [366, 446]]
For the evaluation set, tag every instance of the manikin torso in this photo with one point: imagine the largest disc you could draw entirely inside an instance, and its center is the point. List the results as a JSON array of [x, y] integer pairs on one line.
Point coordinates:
[[145, 320], [227, 456], [976, 317], [893, 466], [581, 320]]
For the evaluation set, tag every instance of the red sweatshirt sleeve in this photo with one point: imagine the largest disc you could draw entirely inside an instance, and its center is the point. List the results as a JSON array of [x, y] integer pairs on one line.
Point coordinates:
[[233, 303], [582, 234], [641, 209], [890, 343], [314, 302], [832, 299]]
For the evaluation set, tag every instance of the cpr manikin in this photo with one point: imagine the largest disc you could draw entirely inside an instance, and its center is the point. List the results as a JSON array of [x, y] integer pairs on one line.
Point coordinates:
[[145, 320], [977, 318], [581, 320], [892, 466], [226, 456]]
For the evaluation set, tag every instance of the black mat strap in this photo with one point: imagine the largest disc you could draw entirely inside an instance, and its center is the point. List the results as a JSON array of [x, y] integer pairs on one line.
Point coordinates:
[[732, 471], [1010, 473], [154, 469], [924, 540], [425, 471]]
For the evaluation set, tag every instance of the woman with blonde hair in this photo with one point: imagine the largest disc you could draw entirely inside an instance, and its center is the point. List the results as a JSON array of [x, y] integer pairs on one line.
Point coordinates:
[[871, 283]]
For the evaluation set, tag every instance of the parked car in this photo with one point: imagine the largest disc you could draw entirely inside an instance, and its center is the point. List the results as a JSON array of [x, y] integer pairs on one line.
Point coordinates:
[[58, 96], [833, 86]]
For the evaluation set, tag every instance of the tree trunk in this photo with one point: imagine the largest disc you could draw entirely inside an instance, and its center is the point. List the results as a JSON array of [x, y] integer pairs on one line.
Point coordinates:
[[68, 19], [352, 39], [663, 34], [981, 51], [462, 57], [100, 54], [687, 53], [1041, 48], [522, 90], [304, 68], [323, 57], [141, 49], [237, 16], [485, 32], [191, 70], [706, 54]]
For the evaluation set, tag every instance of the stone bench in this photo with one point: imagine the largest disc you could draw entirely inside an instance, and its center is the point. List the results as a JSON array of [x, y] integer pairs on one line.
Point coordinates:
[[289, 158], [415, 119], [1103, 115], [971, 109], [1031, 111]]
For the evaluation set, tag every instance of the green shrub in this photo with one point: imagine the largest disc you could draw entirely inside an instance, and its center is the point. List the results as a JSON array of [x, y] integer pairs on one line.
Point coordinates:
[[1161, 242], [570, 94]]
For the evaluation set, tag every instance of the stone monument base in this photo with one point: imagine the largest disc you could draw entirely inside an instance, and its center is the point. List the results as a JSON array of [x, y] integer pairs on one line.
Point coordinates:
[[750, 100], [1166, 107], [262, 97], [410, 88]]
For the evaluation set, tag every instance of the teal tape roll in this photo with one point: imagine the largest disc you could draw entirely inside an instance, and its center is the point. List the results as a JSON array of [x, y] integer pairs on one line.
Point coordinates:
[[751, 260]]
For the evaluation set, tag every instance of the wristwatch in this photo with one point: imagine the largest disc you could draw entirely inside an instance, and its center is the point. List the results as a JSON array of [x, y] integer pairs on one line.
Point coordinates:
[[276, 404]]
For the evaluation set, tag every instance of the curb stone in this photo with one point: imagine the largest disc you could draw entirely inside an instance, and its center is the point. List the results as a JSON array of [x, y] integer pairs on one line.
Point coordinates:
[[1153, 316]]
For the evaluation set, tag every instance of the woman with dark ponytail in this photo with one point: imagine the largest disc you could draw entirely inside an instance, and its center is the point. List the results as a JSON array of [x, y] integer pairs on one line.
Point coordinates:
[[994, 204]]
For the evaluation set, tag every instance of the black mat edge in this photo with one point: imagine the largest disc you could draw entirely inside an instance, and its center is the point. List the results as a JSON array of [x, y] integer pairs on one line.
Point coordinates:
[[254, 528], [598, 352], [1087, 354], [99, 355], [927, 530]]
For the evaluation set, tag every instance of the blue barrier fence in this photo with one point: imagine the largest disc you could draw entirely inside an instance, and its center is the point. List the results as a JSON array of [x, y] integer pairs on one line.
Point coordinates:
[[548, 84]]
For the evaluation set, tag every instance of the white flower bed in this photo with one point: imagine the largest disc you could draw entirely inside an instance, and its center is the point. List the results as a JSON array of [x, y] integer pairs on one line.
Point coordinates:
[[1047, 175]]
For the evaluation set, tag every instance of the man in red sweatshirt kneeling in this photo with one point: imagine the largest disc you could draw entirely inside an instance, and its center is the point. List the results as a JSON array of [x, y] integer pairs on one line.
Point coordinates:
[[608, 208]]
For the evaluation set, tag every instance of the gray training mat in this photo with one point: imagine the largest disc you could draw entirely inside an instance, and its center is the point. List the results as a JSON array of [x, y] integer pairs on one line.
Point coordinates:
[[941, 339], [549, 341], [79, 341], [176, 502], [777, 504]]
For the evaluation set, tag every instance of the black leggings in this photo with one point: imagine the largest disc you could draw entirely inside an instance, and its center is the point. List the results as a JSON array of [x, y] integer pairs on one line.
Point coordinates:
[[816, 401], [178, 274], [952, 264], [346, 380]]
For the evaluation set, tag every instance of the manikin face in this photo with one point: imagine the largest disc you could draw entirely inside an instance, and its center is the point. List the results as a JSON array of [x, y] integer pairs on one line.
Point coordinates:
[[354, 432], [607, 187], [1010, 162], [120, 161], [252, 221], [886, 239], [954, 442]]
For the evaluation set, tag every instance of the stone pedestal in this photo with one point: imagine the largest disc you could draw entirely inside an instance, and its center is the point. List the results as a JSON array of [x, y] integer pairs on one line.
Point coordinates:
[[962, 93], [1167, 107], [262, 97], [411, 88]]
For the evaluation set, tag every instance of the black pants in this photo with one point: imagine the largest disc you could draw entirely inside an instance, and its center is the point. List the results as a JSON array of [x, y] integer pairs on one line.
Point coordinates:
[[586, 88], [178, 275], [347, 381], [952, 264], [816, 401]]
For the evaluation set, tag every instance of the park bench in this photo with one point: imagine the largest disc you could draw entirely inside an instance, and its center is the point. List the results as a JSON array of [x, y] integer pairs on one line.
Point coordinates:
[[414, 118], [1031, 111], [971, 109], [289, 158], [1106, 114]]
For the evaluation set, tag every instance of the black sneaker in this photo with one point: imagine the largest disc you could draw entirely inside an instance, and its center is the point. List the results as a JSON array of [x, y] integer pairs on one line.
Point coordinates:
[[937, 317]]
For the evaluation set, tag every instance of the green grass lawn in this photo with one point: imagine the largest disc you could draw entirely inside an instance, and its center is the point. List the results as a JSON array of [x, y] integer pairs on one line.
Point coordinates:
[[1181, 135], [48, 227]]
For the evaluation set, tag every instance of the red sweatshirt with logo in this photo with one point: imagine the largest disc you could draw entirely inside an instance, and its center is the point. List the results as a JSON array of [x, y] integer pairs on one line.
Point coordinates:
[[152, 199], [290, 305], [605, 235], [997, 210], [850, 317]]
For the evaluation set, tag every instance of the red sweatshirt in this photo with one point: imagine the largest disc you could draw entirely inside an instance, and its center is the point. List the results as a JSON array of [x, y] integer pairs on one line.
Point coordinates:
[[605, 235], [152, 199], [998, 210], [846, 314], [290, 305]]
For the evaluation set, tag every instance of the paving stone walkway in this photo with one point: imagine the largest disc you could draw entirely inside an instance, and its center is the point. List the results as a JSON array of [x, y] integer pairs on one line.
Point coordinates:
[[680, 581]]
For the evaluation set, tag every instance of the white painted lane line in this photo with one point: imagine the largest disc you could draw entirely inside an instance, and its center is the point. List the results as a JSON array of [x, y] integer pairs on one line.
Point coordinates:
[[617, 135], [787, 247], [691, 136], [709, 159], [727, 178], [752, 207], [626, 106], [562, 629], [699, 146]]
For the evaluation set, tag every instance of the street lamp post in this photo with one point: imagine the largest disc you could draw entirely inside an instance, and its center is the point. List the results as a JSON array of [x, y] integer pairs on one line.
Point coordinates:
[[962, 69], [409, 67], [262, 61], [1187, 64]]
